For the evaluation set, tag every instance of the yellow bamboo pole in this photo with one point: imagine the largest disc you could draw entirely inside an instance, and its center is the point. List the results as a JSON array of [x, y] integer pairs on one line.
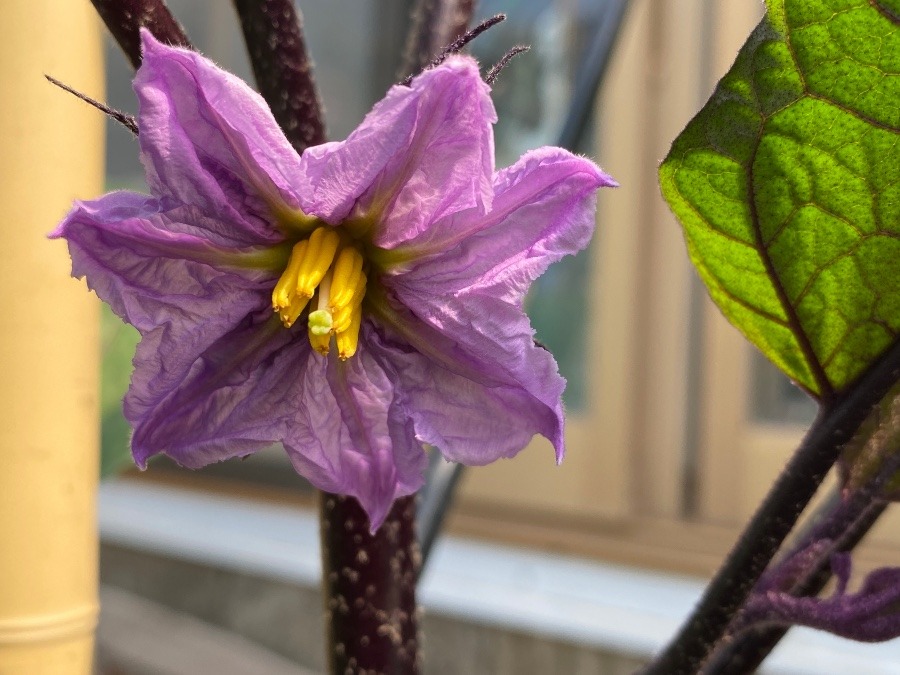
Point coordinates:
[[50, 152]]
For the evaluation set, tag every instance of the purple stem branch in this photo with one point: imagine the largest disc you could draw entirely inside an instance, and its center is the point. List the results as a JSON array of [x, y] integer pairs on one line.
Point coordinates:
[[845, 522], [836, 424], [124, 19], [457, 44], [273, 32], [370, 588]]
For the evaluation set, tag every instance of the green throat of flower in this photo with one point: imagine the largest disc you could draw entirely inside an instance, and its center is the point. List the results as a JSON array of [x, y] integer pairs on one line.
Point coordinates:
[[325, 272]]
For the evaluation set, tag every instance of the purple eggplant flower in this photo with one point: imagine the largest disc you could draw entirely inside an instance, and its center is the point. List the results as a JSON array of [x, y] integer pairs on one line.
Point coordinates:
[[872, 614], [396, 263]]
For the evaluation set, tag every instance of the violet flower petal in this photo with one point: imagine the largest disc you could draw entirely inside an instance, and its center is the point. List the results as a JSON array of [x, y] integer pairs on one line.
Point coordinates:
[[544, 208], [240, 169], [471, 291], [468, 421], [435, 133], [163, 283], [360, 441], [238, 395]]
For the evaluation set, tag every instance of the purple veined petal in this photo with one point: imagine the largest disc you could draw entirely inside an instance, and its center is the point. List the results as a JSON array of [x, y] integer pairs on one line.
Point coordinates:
[[149, 274], [355, 439], [544, 208], [207, 139], [497, 335], [166, 284], [467, 421], [239, 394], [423, 152], [121, 221]]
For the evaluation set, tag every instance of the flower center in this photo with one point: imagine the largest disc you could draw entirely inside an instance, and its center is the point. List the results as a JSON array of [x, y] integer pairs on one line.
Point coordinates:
[[330, 268]]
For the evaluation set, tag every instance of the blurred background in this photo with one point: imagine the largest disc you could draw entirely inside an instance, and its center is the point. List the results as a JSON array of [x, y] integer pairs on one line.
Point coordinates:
[[676, 426]]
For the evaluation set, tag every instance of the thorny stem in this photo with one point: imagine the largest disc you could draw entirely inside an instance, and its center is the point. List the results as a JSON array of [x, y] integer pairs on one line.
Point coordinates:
[[459, 43], [503, 62], [273, 32], [124, 19], [370, 588], [126, 120], [835, 425]]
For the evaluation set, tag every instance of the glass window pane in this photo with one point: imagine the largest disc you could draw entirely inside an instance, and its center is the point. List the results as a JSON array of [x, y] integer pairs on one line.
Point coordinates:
[[775, 398]]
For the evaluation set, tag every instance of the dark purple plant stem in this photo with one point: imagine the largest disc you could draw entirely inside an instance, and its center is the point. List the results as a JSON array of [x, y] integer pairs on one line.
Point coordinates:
[[837, 422], [124, 18], [434, 25], [745, 651], [273, 32], [370, 588], [843, 521]]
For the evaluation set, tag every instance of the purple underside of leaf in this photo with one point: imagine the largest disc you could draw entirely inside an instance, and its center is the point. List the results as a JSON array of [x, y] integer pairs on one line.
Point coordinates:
[[872, 614]]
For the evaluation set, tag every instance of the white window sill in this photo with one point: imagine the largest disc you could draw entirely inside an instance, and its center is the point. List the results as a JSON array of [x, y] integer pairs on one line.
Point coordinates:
[[594, 604]]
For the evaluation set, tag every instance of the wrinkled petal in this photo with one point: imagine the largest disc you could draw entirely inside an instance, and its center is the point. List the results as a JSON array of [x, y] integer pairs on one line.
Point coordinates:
[[359, 441], [435, 133], [209, 140], [489, 341], [471, 290], [236, 396], [469, 422], [162, 283], [544, 208]]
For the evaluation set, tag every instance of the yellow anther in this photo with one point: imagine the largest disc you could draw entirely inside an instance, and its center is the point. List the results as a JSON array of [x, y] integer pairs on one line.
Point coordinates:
[[285, 290], [319, 255], [348, 340], [342, 319], [321, 343], [291, 313], [336, 283], [343, 314], [347, 271]]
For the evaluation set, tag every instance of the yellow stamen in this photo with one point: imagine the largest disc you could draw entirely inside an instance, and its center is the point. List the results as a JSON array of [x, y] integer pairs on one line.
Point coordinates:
[[290, 314], [317, 260], [317, 269], [347, 271], [321, 343], [343, 314], [284, 291], [348, 340]]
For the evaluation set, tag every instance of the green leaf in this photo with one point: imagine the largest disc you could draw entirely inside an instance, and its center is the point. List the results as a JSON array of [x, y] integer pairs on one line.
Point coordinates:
[[787, 185], [119, 341]]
